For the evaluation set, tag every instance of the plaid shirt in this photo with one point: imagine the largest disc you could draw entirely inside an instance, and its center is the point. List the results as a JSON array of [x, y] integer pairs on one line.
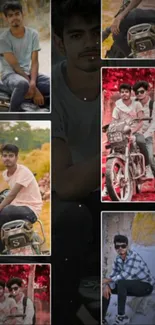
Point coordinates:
[[132, 268]]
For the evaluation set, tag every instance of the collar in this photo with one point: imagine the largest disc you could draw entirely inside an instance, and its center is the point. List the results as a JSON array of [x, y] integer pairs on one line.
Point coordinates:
[[129, 253]]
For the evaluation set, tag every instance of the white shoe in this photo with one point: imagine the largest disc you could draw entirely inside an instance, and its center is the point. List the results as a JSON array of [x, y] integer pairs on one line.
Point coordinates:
[[105, 191], [148, 172], [104, 322], [121, 320]]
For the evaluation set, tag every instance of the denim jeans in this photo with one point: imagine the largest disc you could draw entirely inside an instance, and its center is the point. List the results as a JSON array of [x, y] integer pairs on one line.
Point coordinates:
[[126, 288], [149, 145], [141, 142], [18, 87], [135, 17]]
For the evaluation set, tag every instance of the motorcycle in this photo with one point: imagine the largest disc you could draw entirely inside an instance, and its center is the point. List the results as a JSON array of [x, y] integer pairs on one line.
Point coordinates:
[[26, 106], [19, 237], [125, 165], [140, 38]]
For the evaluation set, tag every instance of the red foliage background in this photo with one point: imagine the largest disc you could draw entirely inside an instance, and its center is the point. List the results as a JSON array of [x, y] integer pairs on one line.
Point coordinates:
[[113, 77], [42, 275]]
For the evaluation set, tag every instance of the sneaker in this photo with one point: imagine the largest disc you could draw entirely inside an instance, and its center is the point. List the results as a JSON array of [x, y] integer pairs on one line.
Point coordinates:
[[148, 172], [105, 191], [104, 322], [121, 320]]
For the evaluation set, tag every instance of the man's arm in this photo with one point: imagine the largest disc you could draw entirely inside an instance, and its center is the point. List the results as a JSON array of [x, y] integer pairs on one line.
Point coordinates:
[[11, 59], [151, 126], [34, 67], [115, 25], [12, 321], [11, 196], [139, 124], [73, 181]]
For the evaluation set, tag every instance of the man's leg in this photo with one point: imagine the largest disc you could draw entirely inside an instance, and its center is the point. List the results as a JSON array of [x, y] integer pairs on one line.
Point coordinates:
[[105, 303], [43, 84], [135, 17], [149, 145], [12, 212], [142, 146], [18, 87], [134, 288]]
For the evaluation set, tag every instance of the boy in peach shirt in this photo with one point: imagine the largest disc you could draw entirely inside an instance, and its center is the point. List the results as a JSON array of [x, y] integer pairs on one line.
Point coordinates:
[[24, 199]]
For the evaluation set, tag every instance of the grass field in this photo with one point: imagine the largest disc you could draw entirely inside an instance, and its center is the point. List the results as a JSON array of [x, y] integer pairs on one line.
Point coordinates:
[[109, 9]]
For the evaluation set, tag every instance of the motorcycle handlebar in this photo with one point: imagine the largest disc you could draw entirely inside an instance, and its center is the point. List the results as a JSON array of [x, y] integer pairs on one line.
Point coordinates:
[[142, 119]]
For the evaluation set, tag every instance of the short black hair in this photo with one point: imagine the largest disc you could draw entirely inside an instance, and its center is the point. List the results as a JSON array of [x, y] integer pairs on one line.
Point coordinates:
[[2, 284], [120, 239], [11, 5], [9, 148], [139, 84], [125, 86], [12, 281], [63, 11]]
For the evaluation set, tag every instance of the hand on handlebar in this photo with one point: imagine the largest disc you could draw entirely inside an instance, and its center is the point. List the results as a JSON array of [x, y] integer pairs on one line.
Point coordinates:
[[141, 119]]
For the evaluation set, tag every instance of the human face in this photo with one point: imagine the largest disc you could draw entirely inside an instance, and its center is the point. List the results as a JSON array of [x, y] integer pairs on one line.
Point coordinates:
[[15, 290], [121, 248], [14, 18], [125, 94], [9, 159], [1, 291], [141, 93], [81, 44]]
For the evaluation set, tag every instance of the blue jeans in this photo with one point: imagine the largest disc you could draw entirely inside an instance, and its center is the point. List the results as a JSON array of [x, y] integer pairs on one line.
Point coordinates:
[[18, 87], [149, 145], [135, 17]]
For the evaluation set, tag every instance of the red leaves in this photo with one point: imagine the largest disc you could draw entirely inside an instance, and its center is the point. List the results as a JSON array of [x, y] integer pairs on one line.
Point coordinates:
[[113, 77]]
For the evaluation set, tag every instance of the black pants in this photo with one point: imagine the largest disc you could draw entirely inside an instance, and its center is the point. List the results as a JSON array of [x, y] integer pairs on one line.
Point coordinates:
[[12, 212], [126, 288], [76, 233], [135, 17], [142, 146]]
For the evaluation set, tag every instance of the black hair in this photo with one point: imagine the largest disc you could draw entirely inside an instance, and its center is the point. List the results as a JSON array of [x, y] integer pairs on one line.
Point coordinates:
[[12, 281], [63, 11], [120, 239], [2, 284], [125, 86], [10, 148], [139, 84], [11, 5]]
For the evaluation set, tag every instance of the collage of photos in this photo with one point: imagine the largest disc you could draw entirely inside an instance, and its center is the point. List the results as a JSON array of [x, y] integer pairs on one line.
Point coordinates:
[[25, 162], [127, 162]]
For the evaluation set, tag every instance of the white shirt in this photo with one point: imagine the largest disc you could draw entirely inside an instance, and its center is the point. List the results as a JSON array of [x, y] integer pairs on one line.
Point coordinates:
[[5, 309], [148, 128], [29, 312], [127, 113]]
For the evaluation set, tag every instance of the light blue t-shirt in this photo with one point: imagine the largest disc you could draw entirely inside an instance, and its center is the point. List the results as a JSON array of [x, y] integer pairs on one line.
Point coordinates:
[[22, 48]]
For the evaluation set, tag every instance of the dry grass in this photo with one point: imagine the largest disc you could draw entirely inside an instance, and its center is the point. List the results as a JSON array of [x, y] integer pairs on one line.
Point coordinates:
[[109, 9]]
